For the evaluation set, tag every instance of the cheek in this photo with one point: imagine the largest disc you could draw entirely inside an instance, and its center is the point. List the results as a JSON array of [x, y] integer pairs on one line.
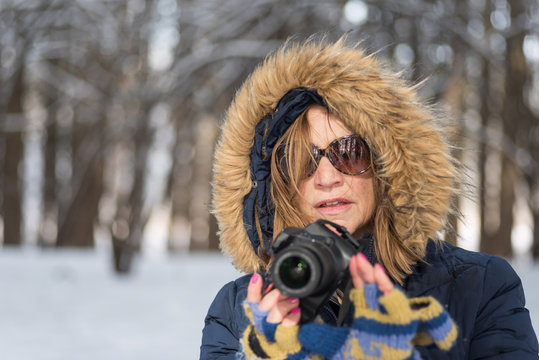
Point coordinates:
[[306, 190], [364, 190]]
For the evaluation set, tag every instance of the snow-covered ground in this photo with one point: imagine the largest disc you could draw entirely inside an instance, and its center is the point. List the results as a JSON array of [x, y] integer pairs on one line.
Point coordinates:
[[57, 305]]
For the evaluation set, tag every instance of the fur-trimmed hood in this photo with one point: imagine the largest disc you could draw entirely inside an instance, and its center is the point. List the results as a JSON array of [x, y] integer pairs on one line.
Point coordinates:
[[412, 156]]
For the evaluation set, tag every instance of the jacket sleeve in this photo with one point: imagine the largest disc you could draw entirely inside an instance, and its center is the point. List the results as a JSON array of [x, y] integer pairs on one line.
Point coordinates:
[[224, 323], [503, 328]]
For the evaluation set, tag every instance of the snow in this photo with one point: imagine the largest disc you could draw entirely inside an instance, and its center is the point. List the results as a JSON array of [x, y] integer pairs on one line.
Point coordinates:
[[70, 305], [66, 304]]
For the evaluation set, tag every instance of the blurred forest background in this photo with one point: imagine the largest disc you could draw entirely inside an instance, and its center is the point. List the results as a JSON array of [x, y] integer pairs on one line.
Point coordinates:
[[109, 109]]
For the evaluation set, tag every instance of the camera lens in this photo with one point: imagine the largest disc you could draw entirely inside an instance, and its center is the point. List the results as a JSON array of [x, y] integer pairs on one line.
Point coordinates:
[[295, 272]]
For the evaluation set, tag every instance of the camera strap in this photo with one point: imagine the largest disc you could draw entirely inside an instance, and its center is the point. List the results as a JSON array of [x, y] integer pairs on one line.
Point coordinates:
[[345, 306], [366, 244]]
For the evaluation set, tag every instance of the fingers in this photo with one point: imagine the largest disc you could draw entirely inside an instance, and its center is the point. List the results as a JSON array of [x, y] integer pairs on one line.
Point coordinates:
[[354, 272], [270, 300], [292, 318], [282, 309], [385, 284], [363, 272], [254, 290]]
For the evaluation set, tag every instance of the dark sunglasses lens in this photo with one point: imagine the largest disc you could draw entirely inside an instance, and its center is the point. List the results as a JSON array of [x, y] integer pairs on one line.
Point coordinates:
[[350, 155], [312, 162]]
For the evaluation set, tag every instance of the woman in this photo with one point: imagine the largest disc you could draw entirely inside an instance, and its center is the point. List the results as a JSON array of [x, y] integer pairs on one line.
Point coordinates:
[[322, 130]]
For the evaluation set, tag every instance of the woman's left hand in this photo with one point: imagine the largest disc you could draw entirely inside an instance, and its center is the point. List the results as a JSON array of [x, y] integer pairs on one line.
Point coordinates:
[[281, 309], [363, 272]]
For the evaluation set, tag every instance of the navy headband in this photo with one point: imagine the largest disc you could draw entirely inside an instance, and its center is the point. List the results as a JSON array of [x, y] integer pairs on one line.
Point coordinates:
[[270, 129]]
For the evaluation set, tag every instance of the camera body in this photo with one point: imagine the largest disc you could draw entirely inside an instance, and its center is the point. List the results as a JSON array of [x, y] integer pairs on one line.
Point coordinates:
[[311, 263]]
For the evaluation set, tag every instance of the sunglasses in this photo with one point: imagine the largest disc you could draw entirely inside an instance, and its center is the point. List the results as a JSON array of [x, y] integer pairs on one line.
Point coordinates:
[[349, 154]]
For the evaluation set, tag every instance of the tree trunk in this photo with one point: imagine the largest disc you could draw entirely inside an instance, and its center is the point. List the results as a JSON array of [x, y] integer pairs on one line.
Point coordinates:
[[76, 226], [453, 95], [535, 244], [515, 119], [12, 194], [49, 222], [131, 217], [13, 155], [487, 238], [179, 183], [204, 133], [501, 245], [525, 122]]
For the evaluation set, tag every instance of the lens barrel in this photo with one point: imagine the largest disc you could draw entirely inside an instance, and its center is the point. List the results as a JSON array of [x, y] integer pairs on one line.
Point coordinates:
[[297, 272]]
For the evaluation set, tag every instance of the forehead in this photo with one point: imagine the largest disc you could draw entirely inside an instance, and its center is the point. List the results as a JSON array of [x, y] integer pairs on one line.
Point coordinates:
[[324, 127]]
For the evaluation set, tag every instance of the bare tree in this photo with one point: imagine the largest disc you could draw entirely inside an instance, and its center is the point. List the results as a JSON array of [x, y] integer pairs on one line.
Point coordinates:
[[97, 71], [15, 43]]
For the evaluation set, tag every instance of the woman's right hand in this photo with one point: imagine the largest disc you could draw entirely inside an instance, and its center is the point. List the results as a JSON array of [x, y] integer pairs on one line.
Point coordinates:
[[282, 309], [363, 272]]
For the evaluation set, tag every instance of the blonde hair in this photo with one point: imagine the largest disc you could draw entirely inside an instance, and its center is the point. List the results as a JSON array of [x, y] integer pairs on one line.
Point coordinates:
[[285, 188], [397, 258]]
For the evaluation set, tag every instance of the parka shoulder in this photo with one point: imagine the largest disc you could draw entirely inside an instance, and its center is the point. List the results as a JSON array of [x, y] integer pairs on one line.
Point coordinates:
[[225, 321], [484, 295]]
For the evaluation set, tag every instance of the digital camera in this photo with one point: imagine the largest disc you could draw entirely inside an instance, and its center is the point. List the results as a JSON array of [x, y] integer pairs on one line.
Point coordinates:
[[310, 263]]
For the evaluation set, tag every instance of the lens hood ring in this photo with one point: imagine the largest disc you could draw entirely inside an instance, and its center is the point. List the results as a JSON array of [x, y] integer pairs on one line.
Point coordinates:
[[287, 274]]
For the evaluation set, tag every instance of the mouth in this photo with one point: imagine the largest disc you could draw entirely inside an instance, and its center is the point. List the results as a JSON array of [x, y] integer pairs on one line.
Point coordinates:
[[332, 203]]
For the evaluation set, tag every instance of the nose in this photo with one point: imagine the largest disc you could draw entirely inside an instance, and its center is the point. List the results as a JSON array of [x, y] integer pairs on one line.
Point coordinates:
[[326, 176]]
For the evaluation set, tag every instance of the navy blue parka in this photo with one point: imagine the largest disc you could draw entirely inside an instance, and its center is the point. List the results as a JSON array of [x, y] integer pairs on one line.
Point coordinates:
[[415, 176]]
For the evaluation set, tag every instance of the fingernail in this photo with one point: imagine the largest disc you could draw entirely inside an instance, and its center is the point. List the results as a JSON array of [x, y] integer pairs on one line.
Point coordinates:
[[381, 268], [254, 278], [361, 255], [295, 311], [293, 300], [268, 289]]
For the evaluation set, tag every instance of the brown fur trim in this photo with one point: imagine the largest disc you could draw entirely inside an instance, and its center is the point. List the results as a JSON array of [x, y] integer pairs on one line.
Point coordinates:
[[412, 158]]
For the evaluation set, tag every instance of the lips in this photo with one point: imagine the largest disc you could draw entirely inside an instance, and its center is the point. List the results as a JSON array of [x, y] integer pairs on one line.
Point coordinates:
[[332, 203]]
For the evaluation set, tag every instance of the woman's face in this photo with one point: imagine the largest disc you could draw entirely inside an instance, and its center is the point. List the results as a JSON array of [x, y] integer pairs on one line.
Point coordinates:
[[347, 200]]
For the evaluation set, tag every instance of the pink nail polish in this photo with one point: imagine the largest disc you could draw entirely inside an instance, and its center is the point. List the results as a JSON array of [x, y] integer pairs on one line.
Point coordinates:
[[361, 255], [293, 300], [268, 289], [381, 268], [295, 311], [254, 278]]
